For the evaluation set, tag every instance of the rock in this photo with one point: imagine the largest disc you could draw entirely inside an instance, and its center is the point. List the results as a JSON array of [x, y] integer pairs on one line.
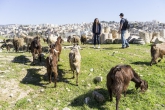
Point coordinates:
[[98, 79], [131, 39], [89, 85], [66, 108], [145, 36], [55, 108], [127, 109], [11, 95], [87, 100], [139, 41], [29, 100], [68, 89], [109, 41], [113, 53], [42, 90], [103, 38], [98, 97], [117, 41], [91, 69]]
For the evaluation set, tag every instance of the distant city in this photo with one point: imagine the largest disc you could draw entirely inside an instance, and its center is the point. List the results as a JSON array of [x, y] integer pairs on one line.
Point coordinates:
[[66, 30]]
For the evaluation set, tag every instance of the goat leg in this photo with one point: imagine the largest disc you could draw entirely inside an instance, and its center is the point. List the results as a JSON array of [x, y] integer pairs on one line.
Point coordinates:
[[117, 100], [58, 56], [33, 54], [73, 75], [124, 93], [49, 75], [55, 78], [161, 58], [40, 57], [76, 79], [110, 93]]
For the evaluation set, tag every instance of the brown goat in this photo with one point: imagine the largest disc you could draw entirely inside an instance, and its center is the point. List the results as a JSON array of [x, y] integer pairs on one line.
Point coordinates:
[[157, 50], [28, 40], [7, 40], [17, 43], [45, 40], [51, 63], [9, 46], [69, 39], [57, 46], [75, 40], [118, 80], [83, 39], [36, 48]]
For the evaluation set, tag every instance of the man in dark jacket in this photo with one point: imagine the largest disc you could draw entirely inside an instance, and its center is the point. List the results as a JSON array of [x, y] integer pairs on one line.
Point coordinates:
[[96, 29], [122, 30]]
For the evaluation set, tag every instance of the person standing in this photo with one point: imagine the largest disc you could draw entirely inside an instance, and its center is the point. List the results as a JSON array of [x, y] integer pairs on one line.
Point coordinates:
[[96, 29], [122, 31]]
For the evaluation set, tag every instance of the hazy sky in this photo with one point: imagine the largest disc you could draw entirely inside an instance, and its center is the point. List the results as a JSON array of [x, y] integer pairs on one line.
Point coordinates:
[[78, 11]]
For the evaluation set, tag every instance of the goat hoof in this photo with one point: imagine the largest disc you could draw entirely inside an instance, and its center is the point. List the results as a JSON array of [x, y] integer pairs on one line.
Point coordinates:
[[76, 84]]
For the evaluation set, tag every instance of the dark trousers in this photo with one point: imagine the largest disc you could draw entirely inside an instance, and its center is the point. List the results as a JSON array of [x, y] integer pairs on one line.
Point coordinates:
[[96, 38]]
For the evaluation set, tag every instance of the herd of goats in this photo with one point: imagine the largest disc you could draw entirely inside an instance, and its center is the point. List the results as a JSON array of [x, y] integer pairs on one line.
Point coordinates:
[[117, 79]]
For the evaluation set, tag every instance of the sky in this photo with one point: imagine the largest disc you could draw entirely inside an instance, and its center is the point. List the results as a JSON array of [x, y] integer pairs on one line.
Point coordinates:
[[78, 11]]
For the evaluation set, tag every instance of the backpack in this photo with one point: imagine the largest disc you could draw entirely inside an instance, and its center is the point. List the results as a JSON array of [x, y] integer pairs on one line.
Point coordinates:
[[126, 24]]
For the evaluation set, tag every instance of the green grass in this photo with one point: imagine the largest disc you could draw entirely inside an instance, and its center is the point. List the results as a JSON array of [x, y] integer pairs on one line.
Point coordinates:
[[101, 60]]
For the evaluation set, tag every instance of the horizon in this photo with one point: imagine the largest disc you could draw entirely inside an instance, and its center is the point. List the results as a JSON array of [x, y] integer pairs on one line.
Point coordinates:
[[62, 12]]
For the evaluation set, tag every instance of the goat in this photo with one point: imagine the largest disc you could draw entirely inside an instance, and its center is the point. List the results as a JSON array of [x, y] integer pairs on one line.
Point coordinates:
[[118, 80]]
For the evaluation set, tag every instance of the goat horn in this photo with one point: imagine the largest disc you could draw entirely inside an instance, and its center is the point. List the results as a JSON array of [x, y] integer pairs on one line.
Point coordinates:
[[56, 51]]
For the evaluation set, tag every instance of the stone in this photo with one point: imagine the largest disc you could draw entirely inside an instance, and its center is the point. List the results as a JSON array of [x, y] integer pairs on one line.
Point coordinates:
[[66, 108], [42, 90], [98, 79], [145, 36], [11, 95], [139, 41], [127, 109], [29, 100], [110, 36], [115, 34], [103, 37], [117, 41], [162, 33], [55, 108], [98, 97], [87, 99], [109, 41], [106, 29], [91, 69]]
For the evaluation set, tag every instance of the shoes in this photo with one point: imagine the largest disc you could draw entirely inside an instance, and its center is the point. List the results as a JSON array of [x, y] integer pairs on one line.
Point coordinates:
[[94, 46], [98, 46], [127, 46]]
